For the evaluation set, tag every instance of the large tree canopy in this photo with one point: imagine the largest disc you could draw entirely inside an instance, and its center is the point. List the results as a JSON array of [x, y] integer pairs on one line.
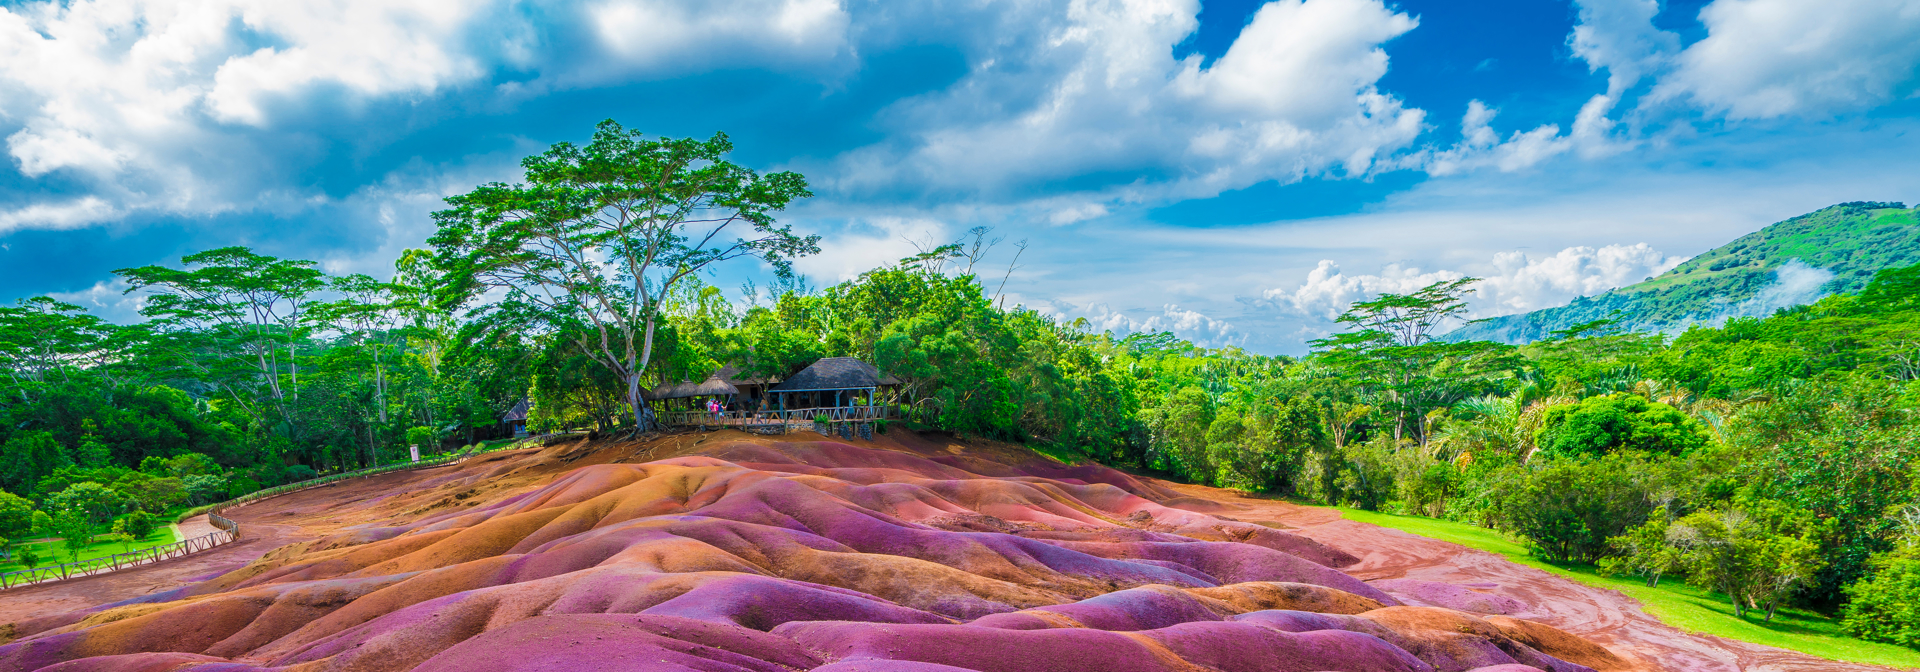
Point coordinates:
[[599, 235]]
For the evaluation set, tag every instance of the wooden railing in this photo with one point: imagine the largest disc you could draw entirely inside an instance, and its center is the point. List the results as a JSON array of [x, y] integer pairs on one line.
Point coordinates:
[[226, 531], [797, 416]]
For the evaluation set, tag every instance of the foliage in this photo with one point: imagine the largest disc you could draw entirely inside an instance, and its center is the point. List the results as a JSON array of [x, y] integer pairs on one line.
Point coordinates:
[[1570, 507], [16, 516], [1619, 421], [1885, 606], [600, 235], [138, 525]]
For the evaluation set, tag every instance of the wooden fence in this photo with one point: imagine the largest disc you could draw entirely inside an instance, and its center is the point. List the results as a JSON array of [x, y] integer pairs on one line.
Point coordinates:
[[780, 419], [226, 532]]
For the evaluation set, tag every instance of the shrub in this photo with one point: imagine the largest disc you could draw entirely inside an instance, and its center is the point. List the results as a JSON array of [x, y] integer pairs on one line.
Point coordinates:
[[139, 524], [27, 557], [297, 473], [241, 486], [1570, 507], [1885, 605]]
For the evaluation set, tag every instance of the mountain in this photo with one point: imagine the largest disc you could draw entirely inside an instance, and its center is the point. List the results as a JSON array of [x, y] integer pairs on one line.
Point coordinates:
[[1834, 250]]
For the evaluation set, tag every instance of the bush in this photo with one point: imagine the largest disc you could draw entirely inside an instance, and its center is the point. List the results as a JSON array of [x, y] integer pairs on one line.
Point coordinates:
[[298, 473], [139, 524], [241, 486], [1885, 605], [1570, 507], [1366, 480], [27, 557]]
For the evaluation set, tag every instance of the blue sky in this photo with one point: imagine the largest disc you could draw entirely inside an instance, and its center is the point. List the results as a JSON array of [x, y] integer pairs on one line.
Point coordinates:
[[1235, 171]]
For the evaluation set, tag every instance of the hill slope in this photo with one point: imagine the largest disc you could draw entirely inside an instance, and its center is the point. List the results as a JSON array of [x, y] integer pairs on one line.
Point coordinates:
[[1834, 250]]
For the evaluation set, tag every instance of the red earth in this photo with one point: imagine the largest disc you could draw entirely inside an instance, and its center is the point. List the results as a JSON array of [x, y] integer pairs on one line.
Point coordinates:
[[730, 551]]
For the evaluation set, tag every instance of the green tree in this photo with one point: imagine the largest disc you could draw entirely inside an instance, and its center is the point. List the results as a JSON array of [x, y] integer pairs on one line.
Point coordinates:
[[75, 530], [205, 489], [138, 524], [599, 236], [1757, 553], [93, 502], [1599, 425], [236, 312], [1569, 508], [16, 516], [28, 457], [1645, 551]]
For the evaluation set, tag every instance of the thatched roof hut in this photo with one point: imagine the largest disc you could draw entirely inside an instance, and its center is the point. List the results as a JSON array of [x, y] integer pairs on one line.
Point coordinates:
[[836, 373], [726, 381]]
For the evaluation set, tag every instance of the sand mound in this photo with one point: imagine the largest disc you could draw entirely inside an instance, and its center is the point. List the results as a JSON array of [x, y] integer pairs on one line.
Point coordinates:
[[749, 554]]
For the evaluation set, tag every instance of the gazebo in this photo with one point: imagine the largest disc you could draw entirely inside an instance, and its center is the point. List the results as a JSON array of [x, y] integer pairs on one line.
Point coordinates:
[[831, 383]]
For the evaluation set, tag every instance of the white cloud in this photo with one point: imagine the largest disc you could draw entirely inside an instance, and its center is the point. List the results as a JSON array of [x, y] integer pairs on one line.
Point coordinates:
[[1095, 89], [1481, 147], [1518, 283], [1794, 284], [1512, 283], [207, 107], [1328, 291], [657, 35], [69, 215], [1769, 58], [1189, 325], [1619, 37], [863, 245]]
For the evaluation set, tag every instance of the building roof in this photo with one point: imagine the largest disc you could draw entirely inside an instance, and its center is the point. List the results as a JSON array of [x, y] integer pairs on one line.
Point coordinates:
[[518, 413], [836, 373], [719, 383]]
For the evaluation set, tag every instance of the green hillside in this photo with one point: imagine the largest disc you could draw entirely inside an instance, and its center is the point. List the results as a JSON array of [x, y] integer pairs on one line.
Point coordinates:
[[1838, 249]]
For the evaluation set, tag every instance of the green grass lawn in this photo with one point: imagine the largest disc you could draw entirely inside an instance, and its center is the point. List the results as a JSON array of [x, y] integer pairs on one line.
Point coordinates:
[[1674, 602], [55, 552]]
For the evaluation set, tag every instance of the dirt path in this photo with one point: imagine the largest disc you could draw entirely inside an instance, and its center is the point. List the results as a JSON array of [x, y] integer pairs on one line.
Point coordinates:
[[1608, 617], [196, 526], [264, 526], [62, 596]]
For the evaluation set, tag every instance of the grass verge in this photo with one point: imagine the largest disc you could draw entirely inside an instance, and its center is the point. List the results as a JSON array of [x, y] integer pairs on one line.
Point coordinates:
[[1673, 602], [53, 552]]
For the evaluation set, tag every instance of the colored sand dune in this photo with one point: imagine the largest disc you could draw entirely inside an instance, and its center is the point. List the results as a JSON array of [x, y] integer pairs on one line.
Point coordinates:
[[756, 555]]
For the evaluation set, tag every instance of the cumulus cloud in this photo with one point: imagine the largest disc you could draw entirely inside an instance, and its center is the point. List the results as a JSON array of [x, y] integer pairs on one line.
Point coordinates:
[[862, 245], [1095, 89], [1518, 283], [1619, 36], [1190, 325], [68, 215], [1481, 147], [1768, 58], [1328, 291], [1512, 283], [206, 107]]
